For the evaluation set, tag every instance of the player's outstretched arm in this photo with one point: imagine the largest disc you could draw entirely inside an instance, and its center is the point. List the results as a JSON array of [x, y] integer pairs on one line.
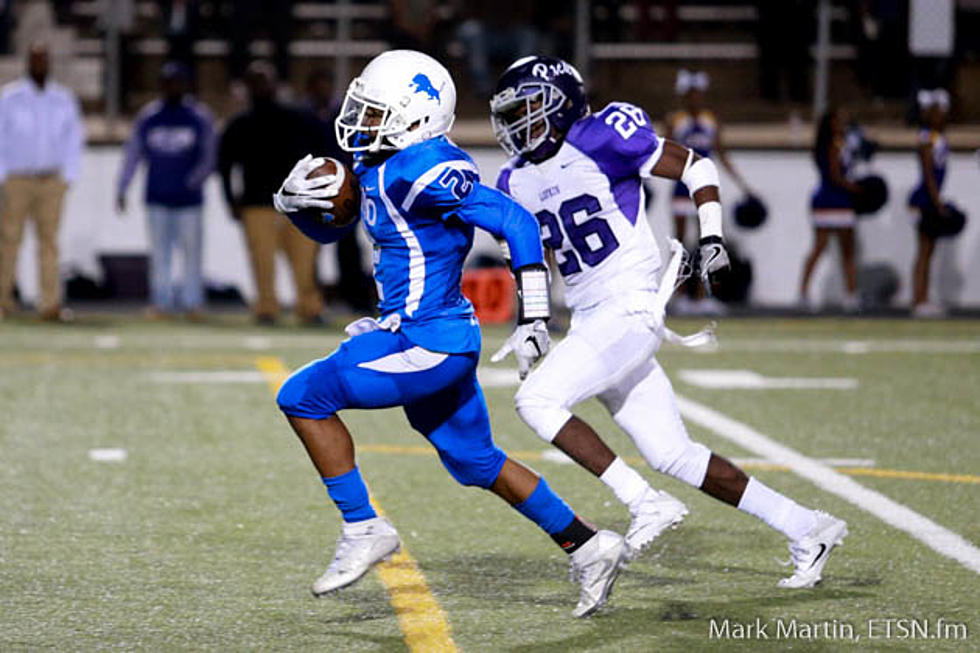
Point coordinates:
[[504, 218], [700, 176]]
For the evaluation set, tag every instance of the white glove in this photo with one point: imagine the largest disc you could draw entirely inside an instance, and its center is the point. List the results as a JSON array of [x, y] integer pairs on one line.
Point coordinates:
[[529, 342], [297, 192]]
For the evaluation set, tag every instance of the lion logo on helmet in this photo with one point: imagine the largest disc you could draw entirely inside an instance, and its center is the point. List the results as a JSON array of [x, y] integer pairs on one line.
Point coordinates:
[[424, 85]]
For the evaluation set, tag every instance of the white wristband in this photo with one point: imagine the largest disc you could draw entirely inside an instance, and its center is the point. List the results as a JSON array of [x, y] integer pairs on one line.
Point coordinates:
[[532, 295], [709, 215]]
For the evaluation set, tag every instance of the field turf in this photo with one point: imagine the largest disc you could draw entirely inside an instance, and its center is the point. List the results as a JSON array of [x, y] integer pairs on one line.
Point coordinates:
[[208, 534]]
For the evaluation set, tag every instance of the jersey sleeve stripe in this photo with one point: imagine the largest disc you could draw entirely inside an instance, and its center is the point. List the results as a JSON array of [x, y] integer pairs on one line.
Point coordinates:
[[416, 257], [430, 176]]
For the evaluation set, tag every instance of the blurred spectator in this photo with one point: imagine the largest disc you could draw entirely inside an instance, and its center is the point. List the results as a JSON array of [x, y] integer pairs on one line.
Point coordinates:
[[925, 202], [412, 24], [355, 286], [181, 23], [883, 46], [249, 18], [119, 17], [175, 136], [832, 206], [784, 38], [495, 30], [696, 127], [262, 144], [932, 27], [5, 11], [41, 138]]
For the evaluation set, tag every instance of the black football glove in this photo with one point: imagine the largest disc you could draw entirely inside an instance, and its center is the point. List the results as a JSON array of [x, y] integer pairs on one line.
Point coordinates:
[[711, 263]]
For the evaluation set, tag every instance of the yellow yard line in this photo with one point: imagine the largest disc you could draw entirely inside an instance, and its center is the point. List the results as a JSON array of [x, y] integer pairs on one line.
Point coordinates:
[[918, 476], [274, 371], [420, 617]]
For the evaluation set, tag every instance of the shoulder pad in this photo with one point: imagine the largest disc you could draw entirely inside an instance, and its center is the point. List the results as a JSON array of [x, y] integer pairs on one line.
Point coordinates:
[[620, 139], [431, 174]]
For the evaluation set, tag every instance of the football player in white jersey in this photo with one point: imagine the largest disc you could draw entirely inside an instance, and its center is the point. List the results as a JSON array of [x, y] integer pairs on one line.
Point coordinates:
[[580, 174]]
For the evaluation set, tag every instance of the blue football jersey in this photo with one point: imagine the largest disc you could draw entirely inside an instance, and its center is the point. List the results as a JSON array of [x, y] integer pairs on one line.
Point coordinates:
[[409, 205]]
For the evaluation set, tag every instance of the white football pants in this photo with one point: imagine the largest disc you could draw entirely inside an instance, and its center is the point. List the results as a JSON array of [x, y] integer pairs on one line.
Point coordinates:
[[609, 354]]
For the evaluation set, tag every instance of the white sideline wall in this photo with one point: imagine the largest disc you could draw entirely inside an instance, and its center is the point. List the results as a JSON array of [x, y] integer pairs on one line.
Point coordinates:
[[91, 227]]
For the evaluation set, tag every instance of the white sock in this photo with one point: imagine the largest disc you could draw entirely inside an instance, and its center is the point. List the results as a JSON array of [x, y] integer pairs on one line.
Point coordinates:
[[782, 513], [625, 482]]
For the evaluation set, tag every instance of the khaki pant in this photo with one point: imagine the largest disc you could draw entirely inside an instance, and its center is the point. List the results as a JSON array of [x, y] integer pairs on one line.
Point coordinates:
[[39, 198], [268, 232]]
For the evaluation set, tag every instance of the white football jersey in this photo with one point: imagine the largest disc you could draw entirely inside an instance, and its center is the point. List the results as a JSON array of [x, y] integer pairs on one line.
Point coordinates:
[[588, 199]]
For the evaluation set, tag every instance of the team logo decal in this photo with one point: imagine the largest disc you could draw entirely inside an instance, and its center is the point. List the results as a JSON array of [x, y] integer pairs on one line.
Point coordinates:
[[424, 85], [548, 71]]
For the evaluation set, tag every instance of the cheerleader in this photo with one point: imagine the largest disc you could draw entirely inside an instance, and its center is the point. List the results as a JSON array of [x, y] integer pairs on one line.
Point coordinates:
[[925, 203], [832, 206]]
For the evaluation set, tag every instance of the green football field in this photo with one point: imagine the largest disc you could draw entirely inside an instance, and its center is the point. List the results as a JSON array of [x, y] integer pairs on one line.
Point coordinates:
[[154, 498]]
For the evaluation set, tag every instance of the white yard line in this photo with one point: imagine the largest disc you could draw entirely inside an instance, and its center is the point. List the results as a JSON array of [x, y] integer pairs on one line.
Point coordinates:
[[107, 455], [936, 537], [835, 346], [107, 341], [257, 343], [752, 380], [218, 376]]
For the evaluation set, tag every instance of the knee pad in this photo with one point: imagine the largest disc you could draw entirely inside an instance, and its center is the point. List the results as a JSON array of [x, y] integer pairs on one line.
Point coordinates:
[[480, 470], [543, 413], [688, 463], [312, 392]]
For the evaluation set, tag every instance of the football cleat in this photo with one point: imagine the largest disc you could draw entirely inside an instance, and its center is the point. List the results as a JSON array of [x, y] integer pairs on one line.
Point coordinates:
[[655, 513], [810, 553], [595, 566], [361, 545]]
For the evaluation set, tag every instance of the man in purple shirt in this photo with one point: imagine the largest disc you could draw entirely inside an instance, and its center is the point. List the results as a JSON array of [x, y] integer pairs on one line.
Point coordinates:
[[175, 135]]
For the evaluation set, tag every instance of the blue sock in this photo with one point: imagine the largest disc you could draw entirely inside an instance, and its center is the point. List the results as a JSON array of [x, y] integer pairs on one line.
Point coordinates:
[[546, 509], [351, 496]]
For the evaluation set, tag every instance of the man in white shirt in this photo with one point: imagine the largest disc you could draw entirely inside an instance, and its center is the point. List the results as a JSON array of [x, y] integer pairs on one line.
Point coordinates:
[[41, 137]]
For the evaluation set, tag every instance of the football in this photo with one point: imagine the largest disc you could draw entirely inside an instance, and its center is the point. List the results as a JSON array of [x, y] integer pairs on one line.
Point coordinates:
[[347, 204]]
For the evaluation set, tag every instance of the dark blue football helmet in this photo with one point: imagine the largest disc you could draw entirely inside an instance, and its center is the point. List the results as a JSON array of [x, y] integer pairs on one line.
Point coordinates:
[[536, 102]]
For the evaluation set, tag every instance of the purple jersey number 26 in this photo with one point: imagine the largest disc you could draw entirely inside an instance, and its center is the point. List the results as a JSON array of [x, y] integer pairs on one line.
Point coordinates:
[[592, 251]]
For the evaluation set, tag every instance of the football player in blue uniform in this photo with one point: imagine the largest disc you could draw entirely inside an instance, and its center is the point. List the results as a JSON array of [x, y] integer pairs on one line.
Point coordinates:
[[421, 198], [581, 173]]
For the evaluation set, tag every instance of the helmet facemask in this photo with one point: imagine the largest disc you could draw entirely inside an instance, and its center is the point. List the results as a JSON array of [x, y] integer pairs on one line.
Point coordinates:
[[365, 125], [520, 116]]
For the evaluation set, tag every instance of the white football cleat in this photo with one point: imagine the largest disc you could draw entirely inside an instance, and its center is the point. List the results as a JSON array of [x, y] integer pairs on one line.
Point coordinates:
[[595, 565], [810, 553], [361, 545], [655, 513]]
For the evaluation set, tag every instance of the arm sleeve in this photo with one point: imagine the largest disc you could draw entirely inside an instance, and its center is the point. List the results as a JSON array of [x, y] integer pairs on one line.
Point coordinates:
[[492, 211], [74, 142], [226, 159], [309, 222], [439, 190], [131, 158], [3, 141], [205, 165]]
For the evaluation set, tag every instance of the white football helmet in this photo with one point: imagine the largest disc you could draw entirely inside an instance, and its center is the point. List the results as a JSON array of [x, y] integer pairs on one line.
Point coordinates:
[[402, 97]]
